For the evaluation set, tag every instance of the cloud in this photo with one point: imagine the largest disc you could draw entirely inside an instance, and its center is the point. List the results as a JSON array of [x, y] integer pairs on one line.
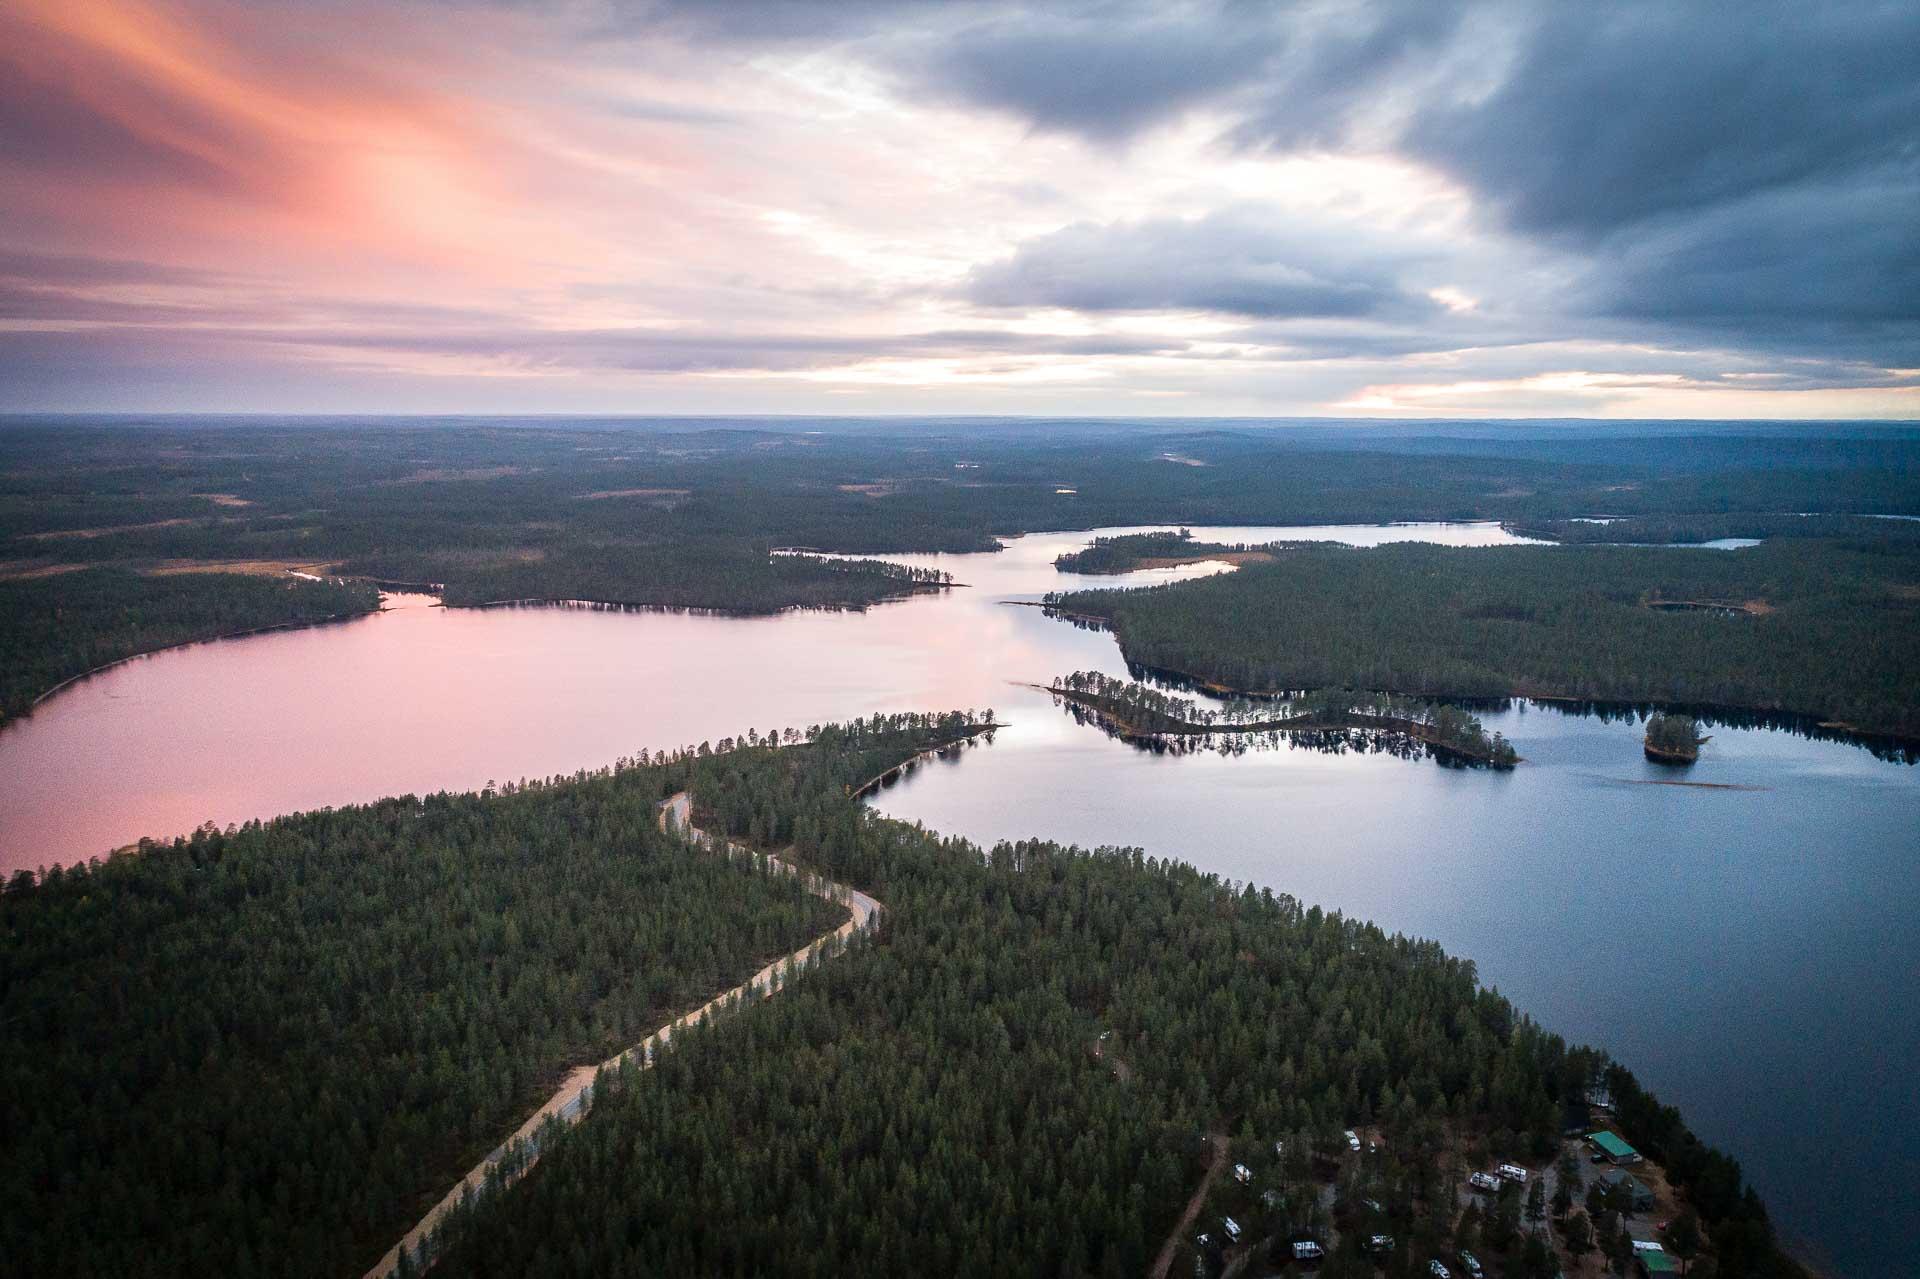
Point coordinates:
[[1231, 262], [1096, 75], [1246, 204], [1613, 114]]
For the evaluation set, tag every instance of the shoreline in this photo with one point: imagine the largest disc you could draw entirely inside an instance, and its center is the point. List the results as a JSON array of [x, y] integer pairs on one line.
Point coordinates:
[[1382, 723], [1811, 724], [209, 639], [904, 766], [707, 610]]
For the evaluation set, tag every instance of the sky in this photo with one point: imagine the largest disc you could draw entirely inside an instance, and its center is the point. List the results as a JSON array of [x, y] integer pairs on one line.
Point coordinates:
[[1633, 209]]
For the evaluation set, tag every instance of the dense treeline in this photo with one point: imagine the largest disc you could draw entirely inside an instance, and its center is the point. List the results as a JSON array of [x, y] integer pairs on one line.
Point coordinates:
[[1658, 530], [931, 1102], [1820, 629], [738, 579], [1128, 551], [54, 628], [264, 1051], [1136, 708]]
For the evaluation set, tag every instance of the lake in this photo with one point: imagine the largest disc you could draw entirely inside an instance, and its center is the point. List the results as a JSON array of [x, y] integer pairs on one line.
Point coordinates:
[[1752, 954]]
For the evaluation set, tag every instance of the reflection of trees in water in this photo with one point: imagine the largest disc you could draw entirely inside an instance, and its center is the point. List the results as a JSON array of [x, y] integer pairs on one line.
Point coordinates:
[[1893, 749], [1331, 741]]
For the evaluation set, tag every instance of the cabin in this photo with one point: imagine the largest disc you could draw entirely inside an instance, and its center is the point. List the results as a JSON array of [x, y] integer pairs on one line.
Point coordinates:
[[1616, 1150], [1650, 1264], [1639, 1197]]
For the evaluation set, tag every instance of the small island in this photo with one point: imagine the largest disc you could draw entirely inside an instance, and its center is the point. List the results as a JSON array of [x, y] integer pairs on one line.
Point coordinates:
[[1134, 711], [1166, 549], [1673, 739]]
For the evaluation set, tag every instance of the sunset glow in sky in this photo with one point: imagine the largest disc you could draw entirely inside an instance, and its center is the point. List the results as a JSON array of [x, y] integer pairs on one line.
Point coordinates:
[[1415, 209]]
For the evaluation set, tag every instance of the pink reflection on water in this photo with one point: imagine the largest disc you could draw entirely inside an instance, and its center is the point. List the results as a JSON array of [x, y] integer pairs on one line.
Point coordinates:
[[422, 698]]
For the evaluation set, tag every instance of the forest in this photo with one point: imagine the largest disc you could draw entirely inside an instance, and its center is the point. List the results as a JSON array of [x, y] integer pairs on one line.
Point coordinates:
[[1021, 1071], [238, 1053], [1825, 630], [1661, 530], [56, 627], [1129, 551], [1136, 709], [262, 1051], [685, 512]]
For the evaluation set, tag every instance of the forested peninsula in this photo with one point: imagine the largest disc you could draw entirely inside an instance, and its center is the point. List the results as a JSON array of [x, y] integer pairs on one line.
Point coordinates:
[[1133, 710], [56, 628], [1023, 1064], [1024, 1070], [1825, 630]]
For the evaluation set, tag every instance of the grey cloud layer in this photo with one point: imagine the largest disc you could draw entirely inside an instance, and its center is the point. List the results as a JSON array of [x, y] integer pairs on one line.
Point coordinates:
[[1230, 262], [1747, 170]]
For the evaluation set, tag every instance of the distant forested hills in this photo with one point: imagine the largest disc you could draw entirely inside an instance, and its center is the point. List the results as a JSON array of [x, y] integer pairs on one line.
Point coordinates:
[[685, 514], [1829, 630]]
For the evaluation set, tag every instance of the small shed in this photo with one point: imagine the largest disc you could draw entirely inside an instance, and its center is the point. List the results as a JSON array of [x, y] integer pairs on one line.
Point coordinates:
[[1614, 1147], [1657, 1263]]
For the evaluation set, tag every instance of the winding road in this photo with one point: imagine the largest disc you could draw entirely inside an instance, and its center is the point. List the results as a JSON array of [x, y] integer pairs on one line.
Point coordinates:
[[569, 1105]]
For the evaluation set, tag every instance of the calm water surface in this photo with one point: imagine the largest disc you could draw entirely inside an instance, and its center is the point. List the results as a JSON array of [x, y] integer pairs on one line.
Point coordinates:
[[1754, 955]]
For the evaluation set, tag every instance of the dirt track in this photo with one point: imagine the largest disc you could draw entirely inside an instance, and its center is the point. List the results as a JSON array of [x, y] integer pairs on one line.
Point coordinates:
[[569, 1104]]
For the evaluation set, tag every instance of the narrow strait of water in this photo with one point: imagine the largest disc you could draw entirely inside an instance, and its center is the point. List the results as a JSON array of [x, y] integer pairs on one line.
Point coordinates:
[[1754, 954]]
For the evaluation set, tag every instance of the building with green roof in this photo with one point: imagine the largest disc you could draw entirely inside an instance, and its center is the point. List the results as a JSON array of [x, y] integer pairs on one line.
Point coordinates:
[[1614, 1148]]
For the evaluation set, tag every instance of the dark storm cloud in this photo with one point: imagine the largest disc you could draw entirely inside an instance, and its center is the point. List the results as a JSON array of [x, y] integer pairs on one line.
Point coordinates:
[[1833, 268], [1747, 170], [1229, 262], [1617, 113]]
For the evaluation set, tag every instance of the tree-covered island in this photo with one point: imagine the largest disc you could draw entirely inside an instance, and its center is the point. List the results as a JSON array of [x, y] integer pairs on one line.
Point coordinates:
[[1824, 630], [1130, 709]]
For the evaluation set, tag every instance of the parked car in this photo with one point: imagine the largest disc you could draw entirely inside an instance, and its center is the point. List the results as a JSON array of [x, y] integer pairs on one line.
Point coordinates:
[[1484, 1181], [1471, 1264], [1513, 1172], [1379, 1245], [1438, 1269], [1353, 1140], [1232, 1228], [1308, 1250]]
